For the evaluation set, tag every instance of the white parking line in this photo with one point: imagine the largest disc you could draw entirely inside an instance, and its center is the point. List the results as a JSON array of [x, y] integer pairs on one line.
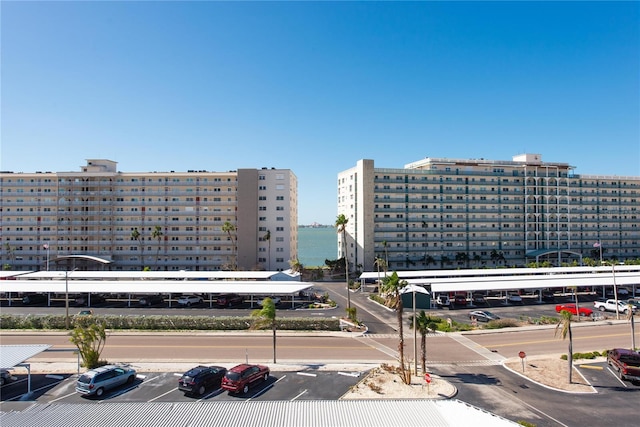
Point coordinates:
[[307, 374], [350, 374], [303, 392], [615, 374], [164, 394]]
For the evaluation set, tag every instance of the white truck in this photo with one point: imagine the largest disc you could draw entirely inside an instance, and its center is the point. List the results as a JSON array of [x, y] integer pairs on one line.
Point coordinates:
[[610, 305]]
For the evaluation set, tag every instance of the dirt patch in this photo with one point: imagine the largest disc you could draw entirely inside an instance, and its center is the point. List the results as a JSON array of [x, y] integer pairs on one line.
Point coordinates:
[[384, 383], [552, 372]]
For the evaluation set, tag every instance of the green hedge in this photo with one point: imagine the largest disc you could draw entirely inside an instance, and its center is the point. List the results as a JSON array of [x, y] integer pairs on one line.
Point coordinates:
[[165, 323]]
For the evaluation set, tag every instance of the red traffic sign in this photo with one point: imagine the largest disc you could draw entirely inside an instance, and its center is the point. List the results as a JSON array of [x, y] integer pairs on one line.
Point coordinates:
[[427, 378], [522, 355]]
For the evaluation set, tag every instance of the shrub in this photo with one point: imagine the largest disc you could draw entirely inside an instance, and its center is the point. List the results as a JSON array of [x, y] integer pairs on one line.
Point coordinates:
[[164, 323]]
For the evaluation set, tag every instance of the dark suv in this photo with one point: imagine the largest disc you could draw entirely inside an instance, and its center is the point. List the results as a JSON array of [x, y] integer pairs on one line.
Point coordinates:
[[201, 378]]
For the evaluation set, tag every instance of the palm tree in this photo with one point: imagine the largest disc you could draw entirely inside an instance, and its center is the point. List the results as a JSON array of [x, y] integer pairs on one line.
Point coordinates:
[[267, 237], [477, 258], [564, 327], [265, 317], [296, 265], [630, 318], [386, 253], [229, 228], [391, 285], [423, 321], [341, 225], [157, 234], [135, 235]]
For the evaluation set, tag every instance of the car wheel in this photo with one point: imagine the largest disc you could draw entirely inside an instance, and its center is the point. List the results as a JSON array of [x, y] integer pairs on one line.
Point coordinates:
[[245, 389], [188, 304], [266, 376], [601, 308], [131, 379], [99, 392], [2, 381], [201, 390]]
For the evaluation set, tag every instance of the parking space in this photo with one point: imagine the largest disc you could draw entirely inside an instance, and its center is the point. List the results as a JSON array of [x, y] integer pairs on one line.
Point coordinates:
[[163, 387]]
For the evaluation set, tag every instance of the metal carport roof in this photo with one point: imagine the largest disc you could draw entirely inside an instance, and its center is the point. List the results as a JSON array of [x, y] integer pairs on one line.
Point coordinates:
[[14, 355], [317, 413], [155, 286]]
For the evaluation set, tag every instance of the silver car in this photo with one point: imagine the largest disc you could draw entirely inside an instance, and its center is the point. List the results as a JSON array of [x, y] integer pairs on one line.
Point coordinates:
[[97, 381]]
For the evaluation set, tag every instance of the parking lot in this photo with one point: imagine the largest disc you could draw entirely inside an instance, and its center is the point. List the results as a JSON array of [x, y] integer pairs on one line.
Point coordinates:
[[163, 387]]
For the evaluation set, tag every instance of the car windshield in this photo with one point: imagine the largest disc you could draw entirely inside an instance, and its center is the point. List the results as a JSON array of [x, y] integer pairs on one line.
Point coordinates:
[[233, 376], [85, 379]]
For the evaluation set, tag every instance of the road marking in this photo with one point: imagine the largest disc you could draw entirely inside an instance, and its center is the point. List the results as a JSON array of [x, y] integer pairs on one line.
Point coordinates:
[[307, 374], [303, 392], [350, 374], [615, 374], [62, 397], [164, 394], [597, 368]]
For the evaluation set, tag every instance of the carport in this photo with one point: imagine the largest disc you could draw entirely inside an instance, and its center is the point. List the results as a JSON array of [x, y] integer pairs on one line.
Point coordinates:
[[13, 356], [131, 288]]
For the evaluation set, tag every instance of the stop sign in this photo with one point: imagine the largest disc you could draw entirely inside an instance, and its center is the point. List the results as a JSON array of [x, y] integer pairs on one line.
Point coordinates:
[[427, 378], [522, 355]]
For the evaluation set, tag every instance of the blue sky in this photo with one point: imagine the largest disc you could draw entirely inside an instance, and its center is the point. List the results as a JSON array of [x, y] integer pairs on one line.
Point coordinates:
[[316, 86]]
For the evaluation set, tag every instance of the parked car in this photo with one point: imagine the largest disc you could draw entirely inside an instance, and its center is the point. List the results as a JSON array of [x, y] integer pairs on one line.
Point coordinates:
[[85, 313], [514, 299], [242, 377], [571, 308], [197, 380], [547, 296], [479, 299], [613, 305], [443, 301], [6, 377], [189, 300], [459, 300], [626, 362], [276, 300], [633, 301], [34, 299], [98, 380], [483, 316], [228, 300], [84, 299], [149, 300]]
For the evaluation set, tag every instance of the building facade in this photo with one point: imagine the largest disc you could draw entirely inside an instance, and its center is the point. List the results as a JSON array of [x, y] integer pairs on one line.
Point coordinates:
[[440, 213], [195, 220]]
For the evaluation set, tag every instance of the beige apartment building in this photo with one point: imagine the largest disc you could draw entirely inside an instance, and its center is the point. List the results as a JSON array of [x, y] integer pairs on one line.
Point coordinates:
[[158, 220], [472, 213]]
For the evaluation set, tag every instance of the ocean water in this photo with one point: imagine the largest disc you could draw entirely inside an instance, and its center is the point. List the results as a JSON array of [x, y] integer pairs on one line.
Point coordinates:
[[315, 244]]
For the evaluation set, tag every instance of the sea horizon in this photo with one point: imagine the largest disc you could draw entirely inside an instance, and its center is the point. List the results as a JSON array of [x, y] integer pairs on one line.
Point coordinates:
[[317, 243]]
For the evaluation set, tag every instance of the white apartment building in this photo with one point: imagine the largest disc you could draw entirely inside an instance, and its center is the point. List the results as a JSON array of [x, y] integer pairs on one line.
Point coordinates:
[[177, 217], [471, 213]]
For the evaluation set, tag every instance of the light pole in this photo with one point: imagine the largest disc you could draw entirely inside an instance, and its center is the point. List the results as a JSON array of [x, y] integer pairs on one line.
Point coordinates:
[[599, 246], [415, 336]]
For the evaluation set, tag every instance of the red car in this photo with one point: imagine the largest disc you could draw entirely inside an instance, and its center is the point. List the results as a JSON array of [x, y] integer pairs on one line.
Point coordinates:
[[240, 378], [571, 308]]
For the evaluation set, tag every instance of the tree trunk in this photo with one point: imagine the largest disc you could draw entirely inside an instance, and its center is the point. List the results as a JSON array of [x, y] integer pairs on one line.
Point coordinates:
[[570, 357], [423, 348]]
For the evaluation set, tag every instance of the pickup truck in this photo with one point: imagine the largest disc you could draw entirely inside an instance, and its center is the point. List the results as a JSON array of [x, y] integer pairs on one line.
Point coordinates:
[[610, 305], [626, 362]]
